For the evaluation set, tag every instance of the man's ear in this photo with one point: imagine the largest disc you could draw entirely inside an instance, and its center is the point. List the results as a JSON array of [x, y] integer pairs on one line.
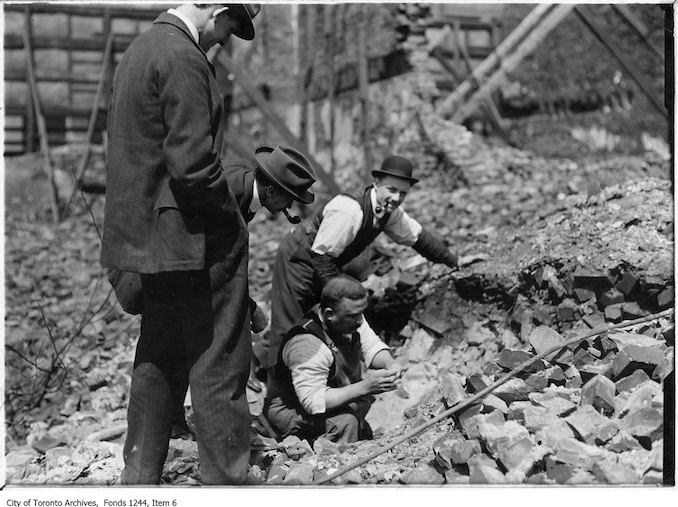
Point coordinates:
[[327, 312]]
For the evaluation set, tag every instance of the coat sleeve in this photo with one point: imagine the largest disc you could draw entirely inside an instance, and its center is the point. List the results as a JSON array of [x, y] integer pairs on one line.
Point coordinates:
[[191, 118]]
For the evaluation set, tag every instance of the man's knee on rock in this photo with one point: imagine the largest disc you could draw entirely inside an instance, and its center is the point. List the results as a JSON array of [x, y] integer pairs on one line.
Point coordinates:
[[342, 428]]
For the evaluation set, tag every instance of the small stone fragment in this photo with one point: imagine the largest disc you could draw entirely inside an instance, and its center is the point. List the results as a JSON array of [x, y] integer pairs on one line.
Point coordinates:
[[422, 474], [630, 382], [556, 404], [299, 473], [513, 390], [544, 338], [584, 295], [611, 297], [516, 410], [491, 402], [627, 283], [509, 359], [477, 382], [613, 313], [623, 442], [665, 298], [600, 393], [543, 314], [644, 423], [632, 311]]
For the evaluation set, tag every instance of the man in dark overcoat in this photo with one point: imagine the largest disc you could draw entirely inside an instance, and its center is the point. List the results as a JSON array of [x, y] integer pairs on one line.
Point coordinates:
[[171, 217]]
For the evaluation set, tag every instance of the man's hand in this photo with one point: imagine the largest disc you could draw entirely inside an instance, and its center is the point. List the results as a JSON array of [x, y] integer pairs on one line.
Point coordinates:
[[380, 381], [467, 260], [259, 320]]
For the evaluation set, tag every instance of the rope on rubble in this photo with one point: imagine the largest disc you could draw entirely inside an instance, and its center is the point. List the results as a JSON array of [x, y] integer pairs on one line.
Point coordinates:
[[488, 390]]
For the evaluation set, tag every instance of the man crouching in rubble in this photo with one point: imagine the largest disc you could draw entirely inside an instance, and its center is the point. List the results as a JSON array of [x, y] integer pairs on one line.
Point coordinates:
[[317, 388]]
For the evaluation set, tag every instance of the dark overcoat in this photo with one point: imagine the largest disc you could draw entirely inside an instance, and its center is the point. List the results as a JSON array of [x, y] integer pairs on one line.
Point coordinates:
[[168, 204]]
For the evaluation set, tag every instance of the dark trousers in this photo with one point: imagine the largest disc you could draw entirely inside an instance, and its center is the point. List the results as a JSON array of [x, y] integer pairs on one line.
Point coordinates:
[[195, 329], [294, 291], [343, 425]]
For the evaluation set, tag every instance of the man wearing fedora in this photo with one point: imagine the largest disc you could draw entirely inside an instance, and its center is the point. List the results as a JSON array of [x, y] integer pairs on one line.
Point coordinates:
[[171, 216], [319, 247]]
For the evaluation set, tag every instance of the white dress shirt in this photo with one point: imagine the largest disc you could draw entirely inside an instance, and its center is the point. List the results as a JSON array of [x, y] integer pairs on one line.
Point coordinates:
[[256, 204], [191, 27], [341, 221], [310, 360]]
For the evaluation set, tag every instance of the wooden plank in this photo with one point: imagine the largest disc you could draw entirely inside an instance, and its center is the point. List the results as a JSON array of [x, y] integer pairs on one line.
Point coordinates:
[[447, 106], [639, 27], [587, 17], [245, 82], [44, 143], [511, 62]]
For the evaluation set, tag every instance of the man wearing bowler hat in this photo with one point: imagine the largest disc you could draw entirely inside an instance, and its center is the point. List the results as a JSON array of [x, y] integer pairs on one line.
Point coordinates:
[[171, 217], [318, 248]]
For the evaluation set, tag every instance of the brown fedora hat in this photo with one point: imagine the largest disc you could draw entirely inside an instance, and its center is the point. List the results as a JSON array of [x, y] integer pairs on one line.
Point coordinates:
[[289, 170], [396, 166], [244, 14]]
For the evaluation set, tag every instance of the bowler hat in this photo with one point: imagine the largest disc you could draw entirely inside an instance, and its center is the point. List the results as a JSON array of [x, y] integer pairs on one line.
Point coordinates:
[[288, 169], [244, 14], [396, 166]]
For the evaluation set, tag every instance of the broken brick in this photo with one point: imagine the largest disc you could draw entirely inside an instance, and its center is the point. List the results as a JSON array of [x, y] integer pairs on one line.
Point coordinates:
[[627, 283], [599, 392], [604, 345], [442, 448], [470, 425], [591, 280], [653, 282], [600, 367], [611, 297], [613, 313], [584, 295], [665, 298], [632, 311], [573, 377], [634, 357], [461, 450], [583, 357], [516, 410], [630, 382]]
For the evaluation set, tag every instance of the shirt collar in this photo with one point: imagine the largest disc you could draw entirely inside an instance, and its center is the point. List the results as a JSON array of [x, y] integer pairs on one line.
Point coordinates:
[[373, 200], [189, 24], [255, 205]]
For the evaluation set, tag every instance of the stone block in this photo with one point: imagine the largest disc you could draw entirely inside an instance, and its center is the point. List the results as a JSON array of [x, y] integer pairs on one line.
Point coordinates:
[[544, 338], [635, 357], [509, 359], [640, 397], [516, 410], [422, 474], [477, 382], [632, 311], [622, 442], [599, 392], [595, 320], [558, 472], [665, 298], [554, 403], [591, 280], [514, 389], [299, 473], [483, 474], [584, 295], [454, 477], [323, 446], [590, 426], [613, 313], [610, 472], [491, 402], [630, 382], [627, 283], [611, 297]]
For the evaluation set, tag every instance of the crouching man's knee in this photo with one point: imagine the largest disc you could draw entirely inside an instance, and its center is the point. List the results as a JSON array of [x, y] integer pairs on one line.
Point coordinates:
[[342, 428]]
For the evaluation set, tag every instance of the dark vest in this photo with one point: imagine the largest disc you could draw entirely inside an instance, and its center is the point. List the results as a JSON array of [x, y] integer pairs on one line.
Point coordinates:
[[346, 354], [366, 234]]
